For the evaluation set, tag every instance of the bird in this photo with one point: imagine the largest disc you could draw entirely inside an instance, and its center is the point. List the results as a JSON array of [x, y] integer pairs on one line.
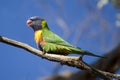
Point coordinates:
[[49, 42]]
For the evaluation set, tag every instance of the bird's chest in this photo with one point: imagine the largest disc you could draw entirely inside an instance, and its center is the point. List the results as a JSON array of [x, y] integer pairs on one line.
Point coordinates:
[[38, 36]]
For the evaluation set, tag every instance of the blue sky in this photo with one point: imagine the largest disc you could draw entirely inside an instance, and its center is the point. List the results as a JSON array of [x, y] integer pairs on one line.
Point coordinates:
[[77, 24]]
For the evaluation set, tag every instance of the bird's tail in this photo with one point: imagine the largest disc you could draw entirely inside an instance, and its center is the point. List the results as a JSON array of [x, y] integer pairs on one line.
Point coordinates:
[[91, 54]]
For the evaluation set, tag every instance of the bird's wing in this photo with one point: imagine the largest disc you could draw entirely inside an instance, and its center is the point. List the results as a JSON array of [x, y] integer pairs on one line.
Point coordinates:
[[55, 39]]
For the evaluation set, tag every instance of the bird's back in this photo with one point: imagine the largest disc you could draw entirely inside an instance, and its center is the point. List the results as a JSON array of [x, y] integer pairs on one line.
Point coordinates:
[[56, 44]]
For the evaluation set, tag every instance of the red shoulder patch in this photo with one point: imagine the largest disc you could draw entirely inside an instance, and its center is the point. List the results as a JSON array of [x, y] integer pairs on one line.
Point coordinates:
[[43, 42]]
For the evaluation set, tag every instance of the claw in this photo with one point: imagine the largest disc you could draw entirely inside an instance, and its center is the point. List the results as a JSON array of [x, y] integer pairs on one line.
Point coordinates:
[[43, 52]]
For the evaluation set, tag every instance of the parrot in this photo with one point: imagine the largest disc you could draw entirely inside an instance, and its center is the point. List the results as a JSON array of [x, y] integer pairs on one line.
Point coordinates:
[[49, 42]]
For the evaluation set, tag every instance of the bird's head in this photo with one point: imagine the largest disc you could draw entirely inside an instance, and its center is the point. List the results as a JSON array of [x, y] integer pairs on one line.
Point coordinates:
[[36, 23]]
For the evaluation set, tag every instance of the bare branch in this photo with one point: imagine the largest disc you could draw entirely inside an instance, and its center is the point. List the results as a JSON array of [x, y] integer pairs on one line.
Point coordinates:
[[66, 60]]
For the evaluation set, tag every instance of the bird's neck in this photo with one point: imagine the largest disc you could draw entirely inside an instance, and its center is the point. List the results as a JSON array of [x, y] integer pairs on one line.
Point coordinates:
[[44, 25]]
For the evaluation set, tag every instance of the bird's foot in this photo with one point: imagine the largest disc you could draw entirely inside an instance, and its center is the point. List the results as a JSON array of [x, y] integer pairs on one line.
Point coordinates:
[[43, 52]]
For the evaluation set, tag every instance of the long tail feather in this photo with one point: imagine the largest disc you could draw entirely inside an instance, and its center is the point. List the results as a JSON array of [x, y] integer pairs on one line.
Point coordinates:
[[91, 54]]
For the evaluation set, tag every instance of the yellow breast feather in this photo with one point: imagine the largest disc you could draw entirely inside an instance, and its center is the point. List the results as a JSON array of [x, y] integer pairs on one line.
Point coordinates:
[[38, 36]]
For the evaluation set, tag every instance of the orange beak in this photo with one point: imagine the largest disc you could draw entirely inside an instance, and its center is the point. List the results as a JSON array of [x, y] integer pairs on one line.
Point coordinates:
[[29, 22]]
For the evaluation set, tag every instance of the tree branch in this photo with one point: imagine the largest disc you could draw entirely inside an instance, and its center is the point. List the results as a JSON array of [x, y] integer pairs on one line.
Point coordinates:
[[66, 60], [111, 64]]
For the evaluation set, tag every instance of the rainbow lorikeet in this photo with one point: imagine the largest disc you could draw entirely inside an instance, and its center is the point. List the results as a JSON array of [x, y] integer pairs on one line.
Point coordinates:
[[49, 42]]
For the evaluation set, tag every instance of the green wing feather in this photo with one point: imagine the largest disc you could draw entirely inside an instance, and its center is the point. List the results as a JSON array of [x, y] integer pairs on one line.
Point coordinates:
[[53, 38], [55, 44]]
